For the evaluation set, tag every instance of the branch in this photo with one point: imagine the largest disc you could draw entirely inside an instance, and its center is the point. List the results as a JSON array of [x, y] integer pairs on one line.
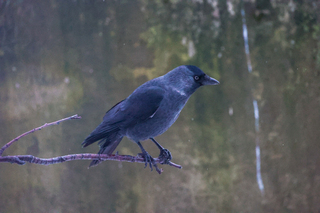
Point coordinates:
[[22, 159], [36, 129]]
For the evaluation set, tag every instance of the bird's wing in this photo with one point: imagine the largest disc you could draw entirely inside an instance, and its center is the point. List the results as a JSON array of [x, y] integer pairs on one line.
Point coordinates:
[[142, 104], [139, 106]]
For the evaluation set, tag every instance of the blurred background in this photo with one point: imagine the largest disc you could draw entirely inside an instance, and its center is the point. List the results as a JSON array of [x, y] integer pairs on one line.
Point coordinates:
[[59, 58]]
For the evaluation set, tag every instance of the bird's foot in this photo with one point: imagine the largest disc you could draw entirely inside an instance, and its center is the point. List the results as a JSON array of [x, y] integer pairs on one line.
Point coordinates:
[[165, 156], [149, 160]]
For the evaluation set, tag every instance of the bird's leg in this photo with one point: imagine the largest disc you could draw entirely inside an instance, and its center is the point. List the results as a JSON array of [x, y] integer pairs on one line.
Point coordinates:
[[147, 157], [165, 155]]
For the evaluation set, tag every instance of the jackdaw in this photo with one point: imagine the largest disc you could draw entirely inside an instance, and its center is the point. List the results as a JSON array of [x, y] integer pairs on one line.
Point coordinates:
[[148, 112]]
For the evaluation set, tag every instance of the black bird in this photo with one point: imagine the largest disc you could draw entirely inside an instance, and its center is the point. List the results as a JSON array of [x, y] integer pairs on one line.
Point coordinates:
[[148, 112]]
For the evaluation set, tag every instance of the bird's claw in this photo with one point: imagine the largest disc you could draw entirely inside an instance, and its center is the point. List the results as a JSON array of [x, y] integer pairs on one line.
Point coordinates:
[[149, 160], [165, 156]]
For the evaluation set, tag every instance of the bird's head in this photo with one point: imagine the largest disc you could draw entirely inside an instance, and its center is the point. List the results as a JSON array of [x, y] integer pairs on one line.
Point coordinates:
[[188, 78]]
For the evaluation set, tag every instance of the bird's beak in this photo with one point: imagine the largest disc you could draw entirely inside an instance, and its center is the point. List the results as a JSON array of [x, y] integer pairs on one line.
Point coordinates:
[[209, 81]]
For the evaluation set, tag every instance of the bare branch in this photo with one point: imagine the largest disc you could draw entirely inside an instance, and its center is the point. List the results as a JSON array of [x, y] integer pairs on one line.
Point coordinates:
[[36, 129], [22, 159]]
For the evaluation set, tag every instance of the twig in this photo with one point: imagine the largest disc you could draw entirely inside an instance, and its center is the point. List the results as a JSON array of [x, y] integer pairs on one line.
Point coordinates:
[[36, 129], [22, 159]]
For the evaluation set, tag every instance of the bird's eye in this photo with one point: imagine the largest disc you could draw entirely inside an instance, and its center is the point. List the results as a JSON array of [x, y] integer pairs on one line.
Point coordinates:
[[196, 77]]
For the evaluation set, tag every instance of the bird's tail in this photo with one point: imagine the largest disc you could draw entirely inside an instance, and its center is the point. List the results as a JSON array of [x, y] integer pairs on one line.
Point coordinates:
[[107, 146], [102, 131]]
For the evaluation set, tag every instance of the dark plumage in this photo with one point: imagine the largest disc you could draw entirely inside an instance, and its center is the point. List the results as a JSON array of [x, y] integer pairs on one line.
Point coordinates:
[[149, 111]]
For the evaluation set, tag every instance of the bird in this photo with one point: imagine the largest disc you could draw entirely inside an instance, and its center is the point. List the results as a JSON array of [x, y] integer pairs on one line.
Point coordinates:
[[148, 112]]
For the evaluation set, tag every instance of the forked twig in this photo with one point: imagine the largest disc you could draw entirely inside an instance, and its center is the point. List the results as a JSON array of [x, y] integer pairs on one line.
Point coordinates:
[[22, 159]]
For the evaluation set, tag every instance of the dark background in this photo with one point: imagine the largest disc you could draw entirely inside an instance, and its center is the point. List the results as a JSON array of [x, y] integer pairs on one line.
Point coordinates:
[[59, 58]]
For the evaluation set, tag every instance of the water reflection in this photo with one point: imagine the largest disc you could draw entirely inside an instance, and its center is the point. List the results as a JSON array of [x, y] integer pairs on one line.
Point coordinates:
[[59, 58]]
